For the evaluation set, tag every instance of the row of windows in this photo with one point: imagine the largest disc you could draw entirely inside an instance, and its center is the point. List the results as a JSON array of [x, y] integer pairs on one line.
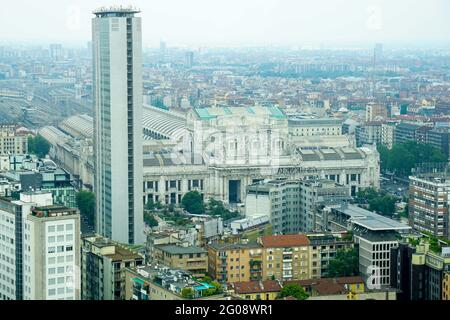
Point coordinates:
[[59, 249], [60, 228], [60, 238], [59, 291], [60, 259]]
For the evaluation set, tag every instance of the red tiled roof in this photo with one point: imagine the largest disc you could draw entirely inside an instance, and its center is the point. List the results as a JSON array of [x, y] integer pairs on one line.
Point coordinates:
[[350, 280], [327, 286], [288, 240], [256, 286]]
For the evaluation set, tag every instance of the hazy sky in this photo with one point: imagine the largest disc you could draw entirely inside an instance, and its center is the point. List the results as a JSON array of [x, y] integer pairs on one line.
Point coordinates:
[[237, 22]]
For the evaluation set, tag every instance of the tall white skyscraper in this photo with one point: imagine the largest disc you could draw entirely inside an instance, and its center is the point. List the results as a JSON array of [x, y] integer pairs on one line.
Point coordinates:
[[118, 186]]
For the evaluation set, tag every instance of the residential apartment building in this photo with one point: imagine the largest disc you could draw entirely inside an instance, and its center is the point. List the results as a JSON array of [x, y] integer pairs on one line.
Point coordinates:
[[429, 201], [235, 262], [52, 265], [291, 204], [388, 134], [369, 133], [38, 242], [13, 215], [341, 288], [317, 192], [280, 201], [437, 135], [191, 259], [152, 282], [256, 290], [12, 143], [286, 257], [103, 268], [376, 112], [323, 249], [405, 132]]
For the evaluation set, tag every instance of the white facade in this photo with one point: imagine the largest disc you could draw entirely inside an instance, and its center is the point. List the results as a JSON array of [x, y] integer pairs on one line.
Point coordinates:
[[52, 265], [374, 261], [315, 127], [290, 205], [117, 49], [387, 134], [11, 143], [38, 265]]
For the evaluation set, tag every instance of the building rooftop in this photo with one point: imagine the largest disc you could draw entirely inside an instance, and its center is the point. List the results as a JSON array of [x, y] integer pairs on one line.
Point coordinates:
[[174, 249], [370, 220], [233, 246], [214, 112], [122, 254], [288, 240], [256, 286], [118, 10], [328, 286], [52, 211], [317, 121]]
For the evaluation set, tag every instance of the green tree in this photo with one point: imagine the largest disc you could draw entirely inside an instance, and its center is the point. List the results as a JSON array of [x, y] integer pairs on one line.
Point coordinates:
[[293, 290], [384, 204], [380, 202], [187, 293], [38, 146], [150, 205], [150, 220], [366, 194], [192, 202], [217, 286], [345, 264], [405, 156], [158, 205], [85, 201], [216, 208]]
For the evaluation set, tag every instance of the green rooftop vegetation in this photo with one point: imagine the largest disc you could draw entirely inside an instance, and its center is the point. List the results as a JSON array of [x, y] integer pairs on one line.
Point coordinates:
[[436, 243]]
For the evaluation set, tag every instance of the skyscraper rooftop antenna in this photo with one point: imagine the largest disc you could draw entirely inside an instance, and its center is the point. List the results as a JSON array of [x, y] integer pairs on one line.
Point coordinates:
[[117, 10]]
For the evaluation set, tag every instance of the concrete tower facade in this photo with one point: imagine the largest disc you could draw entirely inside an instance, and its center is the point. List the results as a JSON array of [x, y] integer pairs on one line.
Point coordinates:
[[117, 58]]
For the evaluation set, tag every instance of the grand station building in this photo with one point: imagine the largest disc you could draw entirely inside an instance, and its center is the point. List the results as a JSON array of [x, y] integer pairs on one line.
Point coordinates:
[[219, 151]]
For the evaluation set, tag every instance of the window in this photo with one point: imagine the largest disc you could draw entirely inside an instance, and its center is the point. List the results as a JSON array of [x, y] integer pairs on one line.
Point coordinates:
[[51, 250], [51, 229], [69, 248], [69, 227], [51, 239], [51, 281], [60, 249], [69, 237], [60, 228], [51, 292]]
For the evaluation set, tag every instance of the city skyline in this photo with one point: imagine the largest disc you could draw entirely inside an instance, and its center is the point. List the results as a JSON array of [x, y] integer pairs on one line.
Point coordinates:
[[249, 23]]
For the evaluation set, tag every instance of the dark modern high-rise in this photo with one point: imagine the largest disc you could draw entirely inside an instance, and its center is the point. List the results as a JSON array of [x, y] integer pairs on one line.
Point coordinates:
[[117, 59]]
